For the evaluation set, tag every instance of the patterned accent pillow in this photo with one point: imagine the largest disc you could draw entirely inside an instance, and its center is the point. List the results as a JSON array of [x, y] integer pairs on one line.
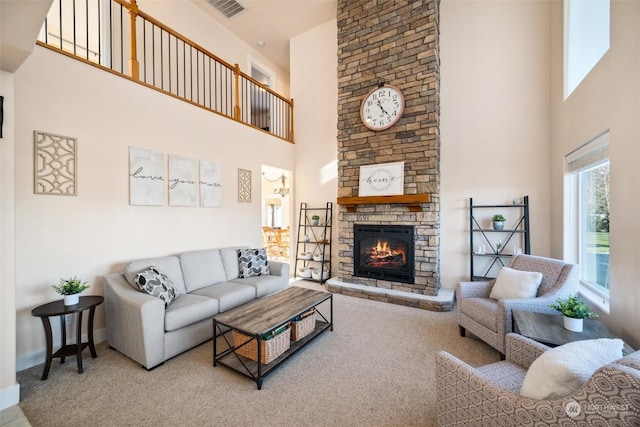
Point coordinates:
[[156, 284], [253, 262]]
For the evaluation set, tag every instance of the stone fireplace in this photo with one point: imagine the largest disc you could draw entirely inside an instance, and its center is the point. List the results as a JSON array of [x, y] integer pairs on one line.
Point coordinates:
[[383, 252], [393, 42]]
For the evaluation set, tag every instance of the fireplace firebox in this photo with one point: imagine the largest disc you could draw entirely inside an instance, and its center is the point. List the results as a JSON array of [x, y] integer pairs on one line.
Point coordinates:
[[384, 252]]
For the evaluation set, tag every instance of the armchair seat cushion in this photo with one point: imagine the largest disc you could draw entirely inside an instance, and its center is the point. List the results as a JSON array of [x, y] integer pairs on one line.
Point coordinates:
[[481, 310], [506, 375]]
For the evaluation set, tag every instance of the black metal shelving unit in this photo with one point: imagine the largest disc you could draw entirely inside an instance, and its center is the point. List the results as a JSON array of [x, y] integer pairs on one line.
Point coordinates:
[[315, 239], [519, 234]]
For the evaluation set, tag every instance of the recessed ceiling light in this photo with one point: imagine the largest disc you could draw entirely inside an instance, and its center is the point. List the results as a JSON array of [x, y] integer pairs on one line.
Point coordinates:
[[261, 43]]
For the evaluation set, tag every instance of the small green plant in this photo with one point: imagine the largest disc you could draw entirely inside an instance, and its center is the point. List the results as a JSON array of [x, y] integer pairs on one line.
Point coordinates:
[[70, 286], [574, 307], [315, 217], [498, 218]]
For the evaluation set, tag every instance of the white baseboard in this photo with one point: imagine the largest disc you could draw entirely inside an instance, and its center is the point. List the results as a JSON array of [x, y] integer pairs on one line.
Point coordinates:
[[9, 396], [39, 356]]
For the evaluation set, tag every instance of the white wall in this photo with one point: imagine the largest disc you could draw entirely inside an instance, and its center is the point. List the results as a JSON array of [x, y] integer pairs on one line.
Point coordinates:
[[314, 88], [191, 21], [97, 231], [9, 389], [608, 98], [494, 119]]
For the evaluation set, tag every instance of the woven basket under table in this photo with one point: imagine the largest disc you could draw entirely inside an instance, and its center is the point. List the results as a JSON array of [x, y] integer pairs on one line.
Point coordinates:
[[271, 348], [302, 328]]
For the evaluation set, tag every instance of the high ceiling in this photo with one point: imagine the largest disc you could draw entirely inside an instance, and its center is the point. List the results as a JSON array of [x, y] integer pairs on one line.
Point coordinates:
[[274, 22]]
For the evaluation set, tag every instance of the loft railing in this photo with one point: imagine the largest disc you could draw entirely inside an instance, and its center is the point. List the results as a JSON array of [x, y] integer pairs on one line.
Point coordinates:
[[116, 36]]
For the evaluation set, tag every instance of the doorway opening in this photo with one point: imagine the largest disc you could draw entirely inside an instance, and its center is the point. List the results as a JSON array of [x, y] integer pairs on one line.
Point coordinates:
[[260, 101], [276, 212]]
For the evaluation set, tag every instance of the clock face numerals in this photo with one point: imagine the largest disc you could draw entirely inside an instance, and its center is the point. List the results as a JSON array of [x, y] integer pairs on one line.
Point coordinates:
[[382, 107]]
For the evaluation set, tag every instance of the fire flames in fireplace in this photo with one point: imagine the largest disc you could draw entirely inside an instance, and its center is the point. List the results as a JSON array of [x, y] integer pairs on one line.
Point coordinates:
[[382, 255], [383, 252]]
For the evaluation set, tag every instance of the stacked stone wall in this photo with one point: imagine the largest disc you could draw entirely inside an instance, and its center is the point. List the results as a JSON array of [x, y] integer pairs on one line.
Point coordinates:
[[395, 42]]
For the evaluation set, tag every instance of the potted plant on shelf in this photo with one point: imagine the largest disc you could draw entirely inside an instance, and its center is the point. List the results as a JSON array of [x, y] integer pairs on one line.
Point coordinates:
[[70, 289], [315, 219], [498, 221], [574, 311]]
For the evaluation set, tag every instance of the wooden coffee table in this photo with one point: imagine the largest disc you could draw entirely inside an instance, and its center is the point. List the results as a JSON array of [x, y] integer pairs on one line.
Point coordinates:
[[548, 329], [258, 318]]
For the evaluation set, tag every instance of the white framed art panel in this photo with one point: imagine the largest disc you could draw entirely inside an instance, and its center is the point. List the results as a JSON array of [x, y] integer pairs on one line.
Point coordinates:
[[146, 177], [384, 179], [182, 181]]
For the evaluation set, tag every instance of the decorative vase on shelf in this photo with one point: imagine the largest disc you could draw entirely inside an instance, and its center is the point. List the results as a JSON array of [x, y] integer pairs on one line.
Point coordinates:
[[498, 225], [71, 299], [573, 324]]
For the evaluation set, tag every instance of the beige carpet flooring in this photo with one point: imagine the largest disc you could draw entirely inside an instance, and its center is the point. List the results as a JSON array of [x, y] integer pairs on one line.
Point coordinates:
[[377, 368]]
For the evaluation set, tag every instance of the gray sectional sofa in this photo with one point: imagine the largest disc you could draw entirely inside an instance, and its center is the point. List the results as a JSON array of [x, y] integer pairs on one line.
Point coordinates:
[[139, 325]]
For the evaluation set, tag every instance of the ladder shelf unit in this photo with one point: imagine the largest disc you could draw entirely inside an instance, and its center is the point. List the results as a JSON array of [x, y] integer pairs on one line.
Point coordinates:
[[313, 244], [481, 239]]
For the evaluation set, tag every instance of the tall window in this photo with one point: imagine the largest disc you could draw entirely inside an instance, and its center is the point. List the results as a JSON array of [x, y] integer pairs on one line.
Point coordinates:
[[586, 38], [589, 169]]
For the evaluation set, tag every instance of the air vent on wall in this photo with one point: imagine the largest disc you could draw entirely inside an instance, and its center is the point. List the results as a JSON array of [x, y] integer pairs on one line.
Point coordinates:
[[228, 8]]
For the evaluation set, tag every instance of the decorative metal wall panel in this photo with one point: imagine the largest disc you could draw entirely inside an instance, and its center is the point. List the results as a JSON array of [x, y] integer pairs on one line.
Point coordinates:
[[54, 164], [244, 186]]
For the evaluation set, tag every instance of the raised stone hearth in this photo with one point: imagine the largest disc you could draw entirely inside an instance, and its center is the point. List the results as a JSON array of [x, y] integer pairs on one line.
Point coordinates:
[[444, 301]]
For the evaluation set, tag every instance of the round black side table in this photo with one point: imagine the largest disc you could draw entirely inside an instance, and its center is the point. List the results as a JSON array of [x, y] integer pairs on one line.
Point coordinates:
[[57, 308]]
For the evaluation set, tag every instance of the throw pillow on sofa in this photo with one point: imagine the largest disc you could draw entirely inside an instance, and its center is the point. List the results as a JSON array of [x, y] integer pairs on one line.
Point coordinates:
[[253, 262], [560, 371], [156, 284], [512, 283]]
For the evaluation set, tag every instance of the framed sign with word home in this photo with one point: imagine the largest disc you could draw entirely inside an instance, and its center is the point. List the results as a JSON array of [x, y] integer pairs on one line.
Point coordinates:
[[384, 179]]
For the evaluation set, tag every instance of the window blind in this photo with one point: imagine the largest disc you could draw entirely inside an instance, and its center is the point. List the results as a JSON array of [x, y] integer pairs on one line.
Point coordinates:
[[590, 154]]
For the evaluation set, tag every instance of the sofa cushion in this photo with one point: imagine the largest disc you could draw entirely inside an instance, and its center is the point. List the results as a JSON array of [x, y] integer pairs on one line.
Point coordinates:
[[512, 283], [253, 262], [229, 295], [202, 268], [187, 310], [561, 371], [230, 261], [156, 284], [264, 285], [169, 265]]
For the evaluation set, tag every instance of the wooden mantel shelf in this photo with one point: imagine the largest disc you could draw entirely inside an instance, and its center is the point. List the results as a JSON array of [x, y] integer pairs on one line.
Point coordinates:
[[413, 200]]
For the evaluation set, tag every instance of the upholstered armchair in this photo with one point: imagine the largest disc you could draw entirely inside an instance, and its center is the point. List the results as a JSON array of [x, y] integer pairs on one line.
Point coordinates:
[[490, 395], [490, 319]]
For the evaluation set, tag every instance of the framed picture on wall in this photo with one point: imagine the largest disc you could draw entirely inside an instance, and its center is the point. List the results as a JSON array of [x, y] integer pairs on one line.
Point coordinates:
[[384, 179]]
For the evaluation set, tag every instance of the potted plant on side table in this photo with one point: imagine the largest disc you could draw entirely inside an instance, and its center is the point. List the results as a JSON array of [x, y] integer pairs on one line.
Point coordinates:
[[574, 310], [70, 289]]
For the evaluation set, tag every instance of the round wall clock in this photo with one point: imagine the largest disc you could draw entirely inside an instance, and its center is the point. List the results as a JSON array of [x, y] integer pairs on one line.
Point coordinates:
[[382, 107]]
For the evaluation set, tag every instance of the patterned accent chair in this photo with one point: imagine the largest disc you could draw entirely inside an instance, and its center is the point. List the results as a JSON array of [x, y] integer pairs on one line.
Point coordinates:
[[490, 319], [490, 395]]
